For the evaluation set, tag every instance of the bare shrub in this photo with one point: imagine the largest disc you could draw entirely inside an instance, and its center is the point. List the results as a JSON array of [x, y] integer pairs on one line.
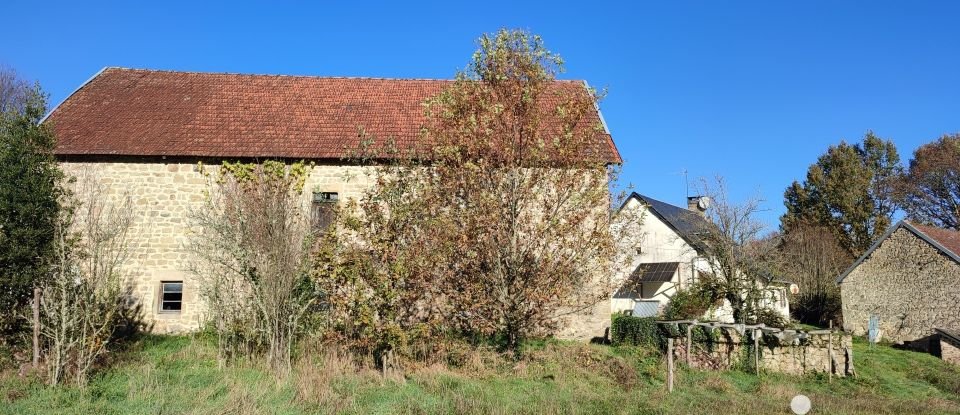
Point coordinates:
[[252, 247], [85, 299], [742, 262]]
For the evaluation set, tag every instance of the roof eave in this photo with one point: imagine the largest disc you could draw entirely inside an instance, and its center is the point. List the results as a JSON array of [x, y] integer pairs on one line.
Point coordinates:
[[100, 72]]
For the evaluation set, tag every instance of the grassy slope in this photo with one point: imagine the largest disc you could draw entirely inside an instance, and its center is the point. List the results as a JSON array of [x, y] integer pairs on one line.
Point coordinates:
[[179, 375]]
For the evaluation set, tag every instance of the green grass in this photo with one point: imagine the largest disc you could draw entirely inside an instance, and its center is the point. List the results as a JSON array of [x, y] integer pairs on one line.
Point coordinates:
[[180, 375]]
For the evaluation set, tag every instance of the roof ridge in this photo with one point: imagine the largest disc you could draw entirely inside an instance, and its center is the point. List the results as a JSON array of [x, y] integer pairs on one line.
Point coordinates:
[[380, 78], [914, 223], [645, 197]]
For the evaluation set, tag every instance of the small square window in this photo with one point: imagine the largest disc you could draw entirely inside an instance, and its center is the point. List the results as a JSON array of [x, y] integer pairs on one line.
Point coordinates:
[[324, 209], [171, 296]]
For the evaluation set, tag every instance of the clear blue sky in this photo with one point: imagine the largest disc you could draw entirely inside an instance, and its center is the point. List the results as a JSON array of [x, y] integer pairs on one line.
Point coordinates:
[[752, 91]]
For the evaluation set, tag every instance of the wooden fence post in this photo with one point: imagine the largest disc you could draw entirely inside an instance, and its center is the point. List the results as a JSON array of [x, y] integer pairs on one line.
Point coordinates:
[[36, 327], [830, 353], [670, 364], [756, 352], [689, 343]]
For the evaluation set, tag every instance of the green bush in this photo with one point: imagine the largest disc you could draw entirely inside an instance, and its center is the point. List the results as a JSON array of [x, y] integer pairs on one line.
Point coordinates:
[[817, 309], [690, 303], [636, 331], [768, 317]]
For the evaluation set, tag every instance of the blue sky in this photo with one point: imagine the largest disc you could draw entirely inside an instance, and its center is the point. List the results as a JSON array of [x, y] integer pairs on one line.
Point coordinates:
[[752, 91]]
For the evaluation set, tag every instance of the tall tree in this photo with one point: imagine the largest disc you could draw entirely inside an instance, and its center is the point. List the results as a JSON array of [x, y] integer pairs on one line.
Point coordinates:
[[850, 190], [513, 208], [811, 256], [29, 192], [521, 170], [930, 190]]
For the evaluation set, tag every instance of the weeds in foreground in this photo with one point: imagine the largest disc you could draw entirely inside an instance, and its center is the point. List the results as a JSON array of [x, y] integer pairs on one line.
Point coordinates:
[[179, 375]]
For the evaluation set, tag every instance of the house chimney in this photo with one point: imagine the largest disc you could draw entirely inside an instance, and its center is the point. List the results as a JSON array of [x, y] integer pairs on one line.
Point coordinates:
[[698, 204]]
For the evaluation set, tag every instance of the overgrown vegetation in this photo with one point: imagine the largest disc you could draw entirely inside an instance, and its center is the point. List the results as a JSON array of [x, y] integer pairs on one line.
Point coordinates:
[[84, 303], [62, 251], [496, 231], [253, 245], [180, 375], [692, 302]]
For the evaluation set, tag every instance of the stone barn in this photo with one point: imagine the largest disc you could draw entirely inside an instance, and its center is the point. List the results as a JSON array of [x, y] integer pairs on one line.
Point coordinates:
[[143, 133], [908, 282]]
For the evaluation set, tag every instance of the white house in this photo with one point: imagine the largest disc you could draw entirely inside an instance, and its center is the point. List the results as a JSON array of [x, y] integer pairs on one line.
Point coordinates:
[[667, 255]]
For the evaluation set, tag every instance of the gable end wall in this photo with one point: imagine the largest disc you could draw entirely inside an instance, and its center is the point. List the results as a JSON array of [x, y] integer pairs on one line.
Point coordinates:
[[909, 284]]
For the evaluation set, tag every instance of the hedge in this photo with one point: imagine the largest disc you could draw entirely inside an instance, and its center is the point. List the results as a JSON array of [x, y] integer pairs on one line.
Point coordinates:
[[636, 331]]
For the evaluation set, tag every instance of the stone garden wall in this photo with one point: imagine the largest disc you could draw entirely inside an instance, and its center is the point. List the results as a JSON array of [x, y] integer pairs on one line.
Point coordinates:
[[791, 355]]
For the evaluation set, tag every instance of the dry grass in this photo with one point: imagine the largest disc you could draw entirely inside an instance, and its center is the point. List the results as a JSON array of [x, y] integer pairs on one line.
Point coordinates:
[[315, 379], [180, 375]]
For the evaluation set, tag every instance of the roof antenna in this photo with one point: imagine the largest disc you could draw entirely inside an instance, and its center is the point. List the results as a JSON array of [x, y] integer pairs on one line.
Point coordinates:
[[686, 182]]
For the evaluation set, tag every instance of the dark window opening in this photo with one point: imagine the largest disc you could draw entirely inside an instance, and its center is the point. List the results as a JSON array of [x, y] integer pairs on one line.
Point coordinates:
[[171, 296], [323, 209]]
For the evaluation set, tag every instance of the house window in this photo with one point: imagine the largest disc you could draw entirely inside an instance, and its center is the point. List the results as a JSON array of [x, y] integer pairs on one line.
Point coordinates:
[[171, 296], [323, 209]]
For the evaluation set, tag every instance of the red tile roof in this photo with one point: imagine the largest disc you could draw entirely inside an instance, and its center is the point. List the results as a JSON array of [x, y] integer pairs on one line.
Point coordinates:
[[134, 112], [946, 238]]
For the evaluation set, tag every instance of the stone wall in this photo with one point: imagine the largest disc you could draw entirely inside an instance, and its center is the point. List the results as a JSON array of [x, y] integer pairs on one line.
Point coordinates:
[[796, 357], [164, 194], [909, 284], [949, 350], [587, 324]]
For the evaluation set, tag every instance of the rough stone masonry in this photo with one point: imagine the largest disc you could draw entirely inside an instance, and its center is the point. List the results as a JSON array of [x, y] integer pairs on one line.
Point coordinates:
[[164, 195], [912, 287], [813, 354]]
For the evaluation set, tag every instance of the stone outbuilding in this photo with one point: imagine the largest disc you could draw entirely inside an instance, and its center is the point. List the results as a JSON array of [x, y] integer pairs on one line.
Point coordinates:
[[142, 134], [908, 283], [949, 345]]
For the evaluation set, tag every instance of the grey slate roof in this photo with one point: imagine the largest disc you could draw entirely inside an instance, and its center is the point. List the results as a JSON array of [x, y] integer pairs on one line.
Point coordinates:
[[689, 225]]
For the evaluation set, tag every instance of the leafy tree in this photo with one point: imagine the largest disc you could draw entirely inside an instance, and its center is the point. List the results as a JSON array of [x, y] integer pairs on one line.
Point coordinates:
[[930, 190], [522, 179], [850, 190], [504, 231], [29, 192]]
